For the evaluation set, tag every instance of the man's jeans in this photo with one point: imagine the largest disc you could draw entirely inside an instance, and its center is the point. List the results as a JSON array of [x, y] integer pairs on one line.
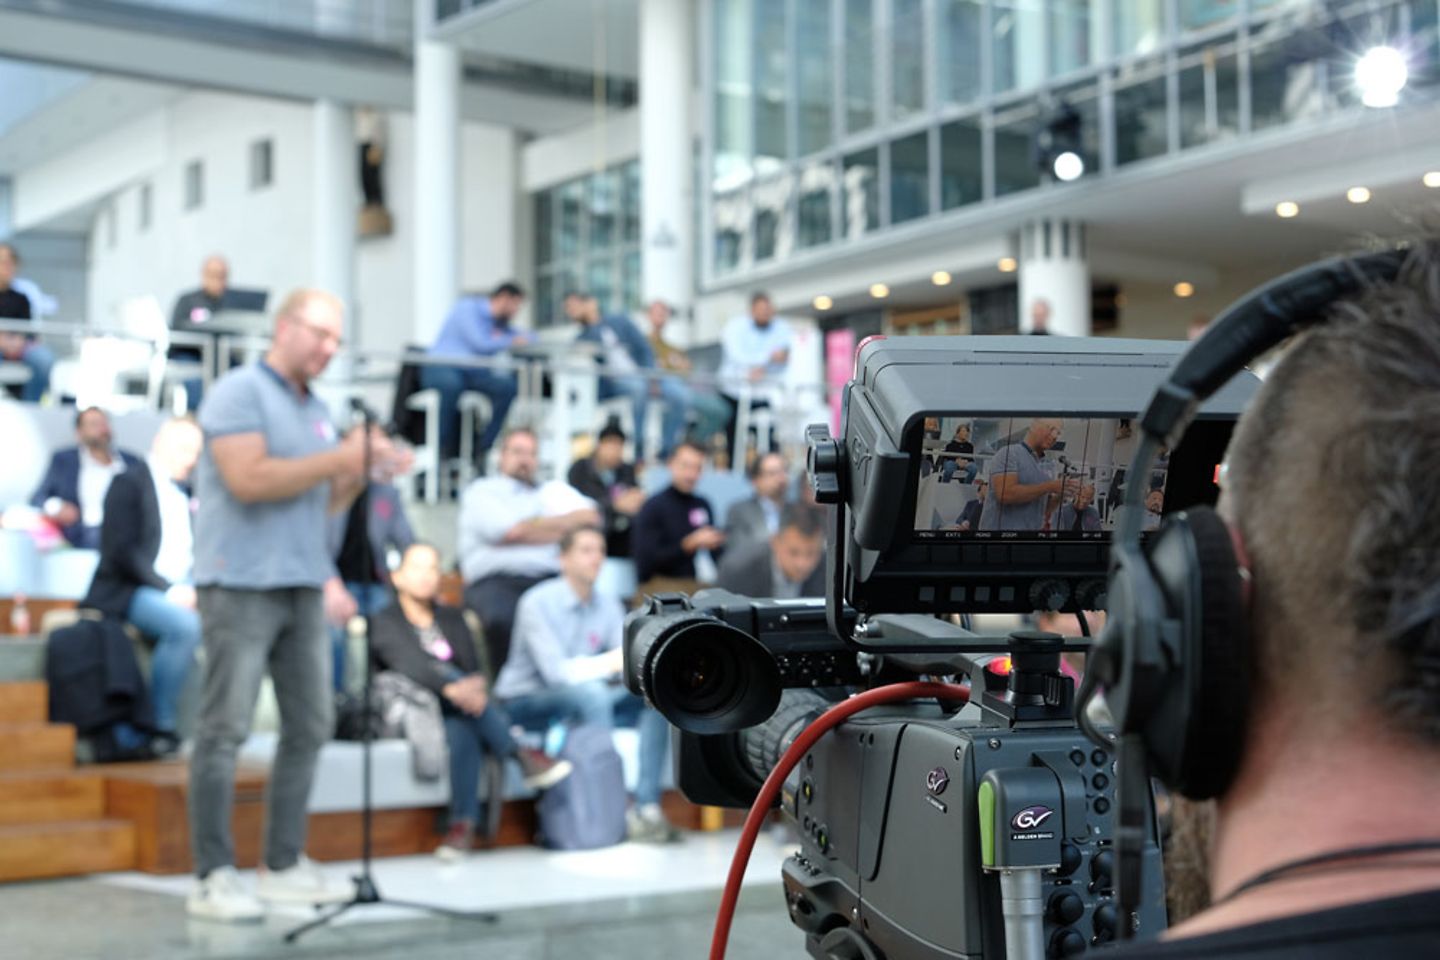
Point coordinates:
[[245, 633], [604, 705], [468, 739], [498, 385], [177, 633], [40, 359]]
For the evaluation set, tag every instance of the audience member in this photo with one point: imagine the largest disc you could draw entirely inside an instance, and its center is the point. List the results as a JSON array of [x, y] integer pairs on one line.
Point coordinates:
[[19, 347], [784, 566], [710, 411], [1040, 317], [606, 478], [566, 665], [270, 472], [969, 518], [476, 327], [192, 311], [675, 537], [959, 444], [757, 518], [146, 559], [348, 593], [1079, 515], [431, 644], [625, 355], [509, 527], [755, 348], [72, 493]]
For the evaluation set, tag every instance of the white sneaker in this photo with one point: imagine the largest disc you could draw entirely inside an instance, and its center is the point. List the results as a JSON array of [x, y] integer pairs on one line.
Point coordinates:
[[302, 883], [221, 897]]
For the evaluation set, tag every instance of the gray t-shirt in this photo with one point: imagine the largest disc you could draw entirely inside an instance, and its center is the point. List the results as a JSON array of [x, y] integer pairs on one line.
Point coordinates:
[[1021, 463], [275, 543]]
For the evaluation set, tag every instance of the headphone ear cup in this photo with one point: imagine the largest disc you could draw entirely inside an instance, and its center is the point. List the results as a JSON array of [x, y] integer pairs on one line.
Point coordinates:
[[1208, 600]]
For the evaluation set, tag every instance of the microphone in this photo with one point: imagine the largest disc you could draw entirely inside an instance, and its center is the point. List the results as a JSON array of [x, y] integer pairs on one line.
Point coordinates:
[[360, 410]]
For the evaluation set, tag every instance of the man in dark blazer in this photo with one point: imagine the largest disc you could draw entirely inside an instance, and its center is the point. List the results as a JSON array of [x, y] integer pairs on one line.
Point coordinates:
[[606, 478], [786, 566], [146, 551], [757, 518], [72, 494], [432, 645]]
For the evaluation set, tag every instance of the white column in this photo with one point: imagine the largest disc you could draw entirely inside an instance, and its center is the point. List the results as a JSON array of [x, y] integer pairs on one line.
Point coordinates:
[[437, 179], [334, 201], [666, 92], [1053, 268]]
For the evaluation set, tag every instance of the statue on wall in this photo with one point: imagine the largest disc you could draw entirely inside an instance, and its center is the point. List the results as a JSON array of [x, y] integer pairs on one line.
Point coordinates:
[[374, 220]]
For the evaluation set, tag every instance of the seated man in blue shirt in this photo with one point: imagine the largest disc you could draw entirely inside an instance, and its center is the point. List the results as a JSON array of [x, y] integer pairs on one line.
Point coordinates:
[[476, 327], [624, 354], [755, 350], [565, 663]]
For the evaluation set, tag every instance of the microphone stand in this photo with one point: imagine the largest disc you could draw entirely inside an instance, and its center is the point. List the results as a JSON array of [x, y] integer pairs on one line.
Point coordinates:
[[366, 891]]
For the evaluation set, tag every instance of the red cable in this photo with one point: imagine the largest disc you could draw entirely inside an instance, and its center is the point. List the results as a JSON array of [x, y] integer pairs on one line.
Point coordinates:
[[765, 799]]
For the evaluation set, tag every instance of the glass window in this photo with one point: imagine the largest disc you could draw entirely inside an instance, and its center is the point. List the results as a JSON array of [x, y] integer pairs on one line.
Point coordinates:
[[907, 58], [1284, 84], [604, 209], [1139, 26], [860, 196], [859, 64], [960, 50], [1017, 29], [771, 60], [194, 184], [544, 228], [630, 204], [569, 232], [262, 164], [1209, 95], [813, 210], [1199, 14], [546, 308], [734, 121], [1015, 167], [910, 178], [1071, 26], [630, 292], [1140, 131], [768, 216], [601, 282], [1084, 100], [813, 74], [962, 178], [731, 212]]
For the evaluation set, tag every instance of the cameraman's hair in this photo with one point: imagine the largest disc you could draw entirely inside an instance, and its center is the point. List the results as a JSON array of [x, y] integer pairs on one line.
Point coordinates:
[[568, 538], [806, 520], [1347, 578]]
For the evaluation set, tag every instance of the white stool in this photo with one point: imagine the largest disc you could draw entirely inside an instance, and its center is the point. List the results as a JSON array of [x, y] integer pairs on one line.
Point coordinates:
[[476, 413]]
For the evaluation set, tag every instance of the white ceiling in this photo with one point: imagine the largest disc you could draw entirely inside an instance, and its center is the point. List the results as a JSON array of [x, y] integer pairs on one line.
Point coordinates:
[[589, 36], [82, 113]]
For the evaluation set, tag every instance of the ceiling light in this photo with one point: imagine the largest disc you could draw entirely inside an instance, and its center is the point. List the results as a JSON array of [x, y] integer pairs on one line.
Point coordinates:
[[941, 278], [1068, 166], [879, 291], [1380, 75], [1286, 209], [1007, 265], [1431, 179], [822, 302], [1358, 194], [1184, 289]]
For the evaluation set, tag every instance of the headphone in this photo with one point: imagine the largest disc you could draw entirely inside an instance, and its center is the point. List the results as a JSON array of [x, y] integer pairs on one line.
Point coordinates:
[[1174, 657]]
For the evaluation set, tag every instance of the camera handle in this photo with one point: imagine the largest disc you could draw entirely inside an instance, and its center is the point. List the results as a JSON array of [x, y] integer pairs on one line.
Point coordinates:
[[1022, 824]]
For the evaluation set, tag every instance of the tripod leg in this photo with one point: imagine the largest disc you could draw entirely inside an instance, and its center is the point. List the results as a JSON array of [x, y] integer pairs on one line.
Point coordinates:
[[478, 916], [319, 921]]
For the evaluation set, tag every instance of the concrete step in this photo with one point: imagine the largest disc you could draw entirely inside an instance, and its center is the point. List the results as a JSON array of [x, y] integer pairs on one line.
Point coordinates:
[[65, 849]]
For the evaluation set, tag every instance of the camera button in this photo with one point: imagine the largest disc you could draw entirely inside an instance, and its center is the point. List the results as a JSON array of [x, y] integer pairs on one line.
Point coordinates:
[[982, 594], [957, 594]]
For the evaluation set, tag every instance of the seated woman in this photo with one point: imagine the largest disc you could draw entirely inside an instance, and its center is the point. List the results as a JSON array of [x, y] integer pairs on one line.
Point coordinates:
[[432, 645]]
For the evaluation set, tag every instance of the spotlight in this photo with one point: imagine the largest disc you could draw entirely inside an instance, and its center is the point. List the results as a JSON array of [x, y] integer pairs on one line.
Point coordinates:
[[1431, 179], [1184, 289], [941, 278], [1286, 209], [1059, 150], [1380, 75], [1007, 265], [1358, 195], [1068, 166], [879, 291], [822, 302]]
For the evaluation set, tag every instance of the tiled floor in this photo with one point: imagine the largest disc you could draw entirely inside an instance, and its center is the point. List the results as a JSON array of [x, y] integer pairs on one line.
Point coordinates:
[[633, 902]]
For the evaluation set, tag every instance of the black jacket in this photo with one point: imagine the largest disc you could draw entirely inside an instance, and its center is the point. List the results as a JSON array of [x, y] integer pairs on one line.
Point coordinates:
[[62, 480], [749, 572], [667, 518], [585, 478], [94, 678], [396, 646], [129, 541]]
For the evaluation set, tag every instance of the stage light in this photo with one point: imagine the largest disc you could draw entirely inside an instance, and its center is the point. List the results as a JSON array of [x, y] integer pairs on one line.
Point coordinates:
[[1068, 166], [1380, 75], [1358, 195], [822, 302], [1184, 289], [1286, 209], [941, 278], [879, 291], [1059, 145], [1007, 265]]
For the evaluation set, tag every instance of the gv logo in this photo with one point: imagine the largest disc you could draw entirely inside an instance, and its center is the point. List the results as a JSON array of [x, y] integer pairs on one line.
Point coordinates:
[[1031, 817], [937, 780]]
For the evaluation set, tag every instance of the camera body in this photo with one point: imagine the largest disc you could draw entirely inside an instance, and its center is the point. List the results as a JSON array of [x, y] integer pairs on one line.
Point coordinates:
[[971, 475]]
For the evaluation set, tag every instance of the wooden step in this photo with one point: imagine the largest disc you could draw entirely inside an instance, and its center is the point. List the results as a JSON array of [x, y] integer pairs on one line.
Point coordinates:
[[66, 849], [37, 746], [24, 702], [45, 797]]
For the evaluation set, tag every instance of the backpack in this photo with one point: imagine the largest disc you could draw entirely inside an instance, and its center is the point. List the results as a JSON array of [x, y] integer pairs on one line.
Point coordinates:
[[586, 810]]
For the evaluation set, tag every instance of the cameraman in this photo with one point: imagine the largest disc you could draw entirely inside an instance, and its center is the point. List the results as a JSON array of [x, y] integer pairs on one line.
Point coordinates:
[[1342, 746]]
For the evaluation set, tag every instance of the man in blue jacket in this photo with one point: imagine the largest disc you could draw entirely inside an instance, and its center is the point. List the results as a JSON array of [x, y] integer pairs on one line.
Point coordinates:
[[624, 356], [476, 327], [73, 492]]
